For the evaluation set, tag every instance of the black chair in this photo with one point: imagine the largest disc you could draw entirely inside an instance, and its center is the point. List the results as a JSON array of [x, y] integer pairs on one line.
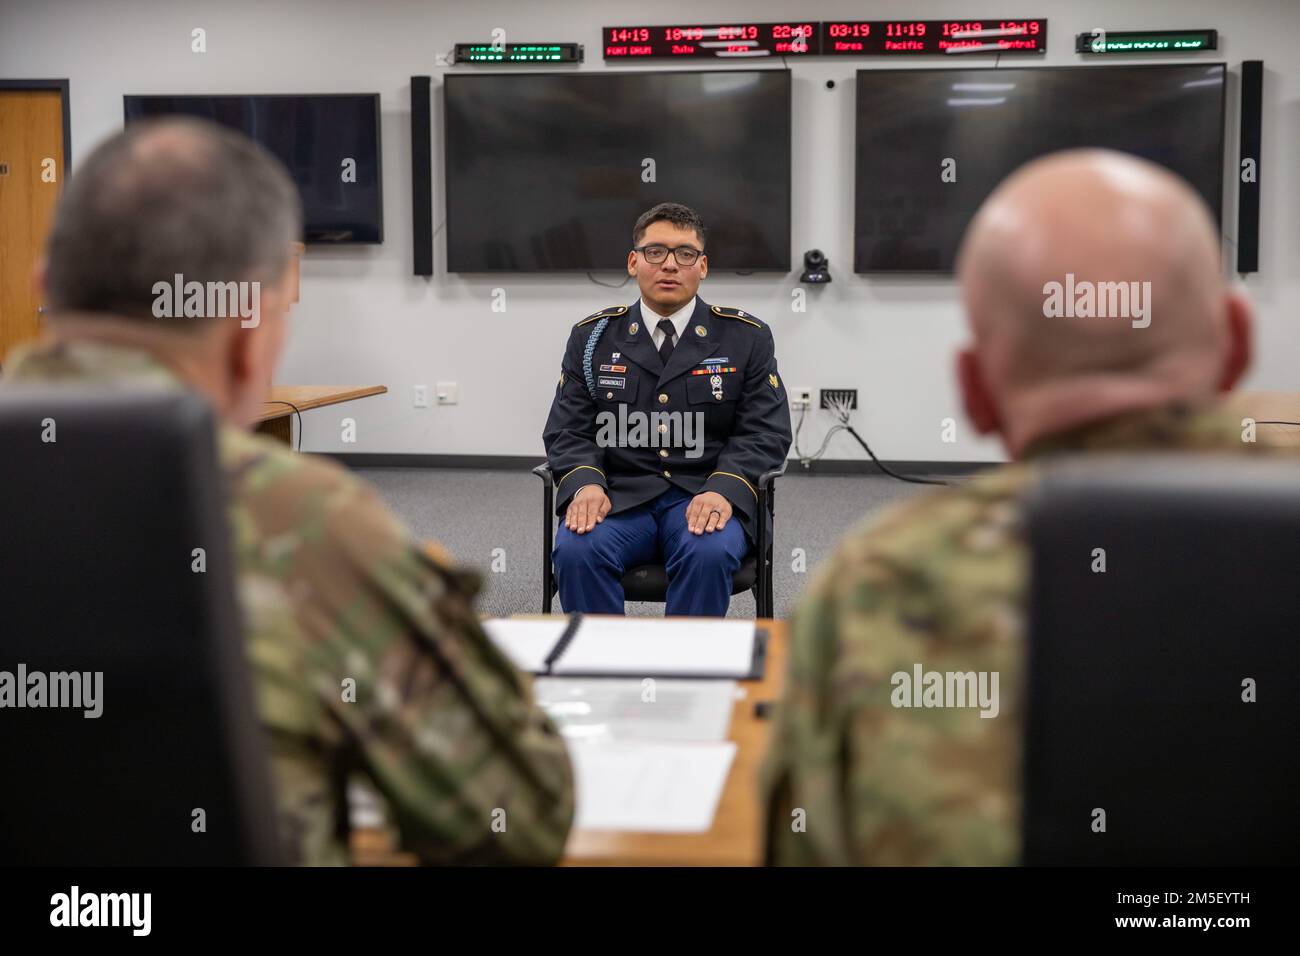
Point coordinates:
[[100, 527], [1135, 675], [649, 582]]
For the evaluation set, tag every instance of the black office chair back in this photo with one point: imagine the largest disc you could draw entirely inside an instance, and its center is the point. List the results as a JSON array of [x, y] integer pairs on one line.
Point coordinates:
[[1141, 676], [105, 500]]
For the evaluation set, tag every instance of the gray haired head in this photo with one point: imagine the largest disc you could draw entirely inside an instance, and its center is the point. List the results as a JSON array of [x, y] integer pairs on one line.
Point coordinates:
[[169, 197]]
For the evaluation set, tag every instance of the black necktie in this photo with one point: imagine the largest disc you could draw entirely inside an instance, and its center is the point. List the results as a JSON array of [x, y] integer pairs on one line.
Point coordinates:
[[666, 346]]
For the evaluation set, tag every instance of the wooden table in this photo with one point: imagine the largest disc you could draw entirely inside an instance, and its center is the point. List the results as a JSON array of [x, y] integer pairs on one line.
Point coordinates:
[[1270, 407], [276, 420], [735, 839]]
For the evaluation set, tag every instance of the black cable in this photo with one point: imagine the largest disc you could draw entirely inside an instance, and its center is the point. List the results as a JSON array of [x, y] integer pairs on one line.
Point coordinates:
[[881, 465], [841, 409], [606, 284], [1276, 423], [297, 411]]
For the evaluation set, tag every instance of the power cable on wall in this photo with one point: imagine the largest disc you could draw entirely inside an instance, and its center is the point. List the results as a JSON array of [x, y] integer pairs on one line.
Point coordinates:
[[841, 409]]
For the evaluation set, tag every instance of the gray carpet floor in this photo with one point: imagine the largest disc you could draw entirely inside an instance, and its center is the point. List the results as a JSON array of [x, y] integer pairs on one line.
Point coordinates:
[[474, 513]]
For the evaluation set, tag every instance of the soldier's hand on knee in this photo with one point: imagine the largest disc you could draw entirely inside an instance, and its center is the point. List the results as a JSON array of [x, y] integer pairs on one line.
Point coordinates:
[[587, 509], [708, 511]]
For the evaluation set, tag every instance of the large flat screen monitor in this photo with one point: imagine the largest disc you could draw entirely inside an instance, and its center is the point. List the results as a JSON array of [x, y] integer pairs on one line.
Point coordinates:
[[314, 135], [910, 217], [549, 172]]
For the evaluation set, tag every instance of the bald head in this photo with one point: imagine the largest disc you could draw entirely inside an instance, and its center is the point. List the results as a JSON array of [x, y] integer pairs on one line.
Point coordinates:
[[1093, 285]]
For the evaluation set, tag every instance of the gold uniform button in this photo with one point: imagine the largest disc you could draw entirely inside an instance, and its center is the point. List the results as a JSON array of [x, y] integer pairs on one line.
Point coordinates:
[[663, 429], [668, 474], [663, 399], [718, 396], [663, 452], [609, 394]]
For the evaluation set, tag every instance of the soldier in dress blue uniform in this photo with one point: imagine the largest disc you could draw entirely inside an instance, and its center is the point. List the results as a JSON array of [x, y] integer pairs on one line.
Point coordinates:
[[666, 413]]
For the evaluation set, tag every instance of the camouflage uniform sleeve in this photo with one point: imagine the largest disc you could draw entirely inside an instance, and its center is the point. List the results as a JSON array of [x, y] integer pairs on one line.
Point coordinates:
[[402, 683], [852, 779]]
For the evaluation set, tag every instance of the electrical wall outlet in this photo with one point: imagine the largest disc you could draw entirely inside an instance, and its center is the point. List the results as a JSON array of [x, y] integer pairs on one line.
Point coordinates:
[[839, 394], [800, 398], [447, 392], [422, 396]]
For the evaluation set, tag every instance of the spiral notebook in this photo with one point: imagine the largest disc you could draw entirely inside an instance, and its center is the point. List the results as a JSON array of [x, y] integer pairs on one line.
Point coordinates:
[[598, 646]]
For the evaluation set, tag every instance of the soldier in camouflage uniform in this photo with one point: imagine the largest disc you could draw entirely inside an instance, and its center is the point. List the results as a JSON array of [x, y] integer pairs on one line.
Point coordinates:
[[331, 585], [941, 580]]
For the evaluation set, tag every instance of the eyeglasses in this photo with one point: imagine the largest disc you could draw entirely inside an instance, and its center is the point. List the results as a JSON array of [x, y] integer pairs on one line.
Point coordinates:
[[685, 255]]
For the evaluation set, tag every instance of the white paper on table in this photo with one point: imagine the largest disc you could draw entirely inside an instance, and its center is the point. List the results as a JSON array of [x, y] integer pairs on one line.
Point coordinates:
[[618, 708], [525, 642], [649, 787], [664, 647]]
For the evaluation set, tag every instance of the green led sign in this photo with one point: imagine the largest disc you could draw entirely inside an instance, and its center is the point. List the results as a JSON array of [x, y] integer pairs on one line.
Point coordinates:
[[1146, 41], [518, 53]]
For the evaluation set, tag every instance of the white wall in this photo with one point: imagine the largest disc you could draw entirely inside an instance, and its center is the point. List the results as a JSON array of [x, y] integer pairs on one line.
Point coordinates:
[[364, 318]]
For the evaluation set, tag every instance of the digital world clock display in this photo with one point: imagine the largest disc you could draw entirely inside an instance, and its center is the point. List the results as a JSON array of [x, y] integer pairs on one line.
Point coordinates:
[[1147, 41], [717, 40], [826, 38], [478, 53], [883, 37]]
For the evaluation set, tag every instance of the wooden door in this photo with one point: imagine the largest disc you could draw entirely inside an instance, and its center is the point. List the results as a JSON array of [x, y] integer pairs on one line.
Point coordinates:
[[31, 178]]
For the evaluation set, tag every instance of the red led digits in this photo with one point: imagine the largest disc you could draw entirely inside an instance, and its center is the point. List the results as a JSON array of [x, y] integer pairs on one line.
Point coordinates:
[[885, 37], [840, 37], [713, 40]]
